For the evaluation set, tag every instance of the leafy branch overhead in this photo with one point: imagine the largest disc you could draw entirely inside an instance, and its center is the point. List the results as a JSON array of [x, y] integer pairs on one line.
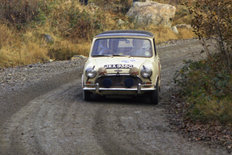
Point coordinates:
[[212, 19]]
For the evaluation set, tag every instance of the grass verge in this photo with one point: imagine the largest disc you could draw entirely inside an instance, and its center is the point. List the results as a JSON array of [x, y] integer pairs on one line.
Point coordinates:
[[206, 86], [202, 106]]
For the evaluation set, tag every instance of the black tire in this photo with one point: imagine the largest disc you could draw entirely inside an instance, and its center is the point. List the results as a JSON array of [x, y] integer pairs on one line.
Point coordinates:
[[155, 95], [87, 95]]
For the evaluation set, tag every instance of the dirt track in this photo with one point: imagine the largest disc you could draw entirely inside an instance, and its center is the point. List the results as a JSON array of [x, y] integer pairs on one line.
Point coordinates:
[[55, 119]]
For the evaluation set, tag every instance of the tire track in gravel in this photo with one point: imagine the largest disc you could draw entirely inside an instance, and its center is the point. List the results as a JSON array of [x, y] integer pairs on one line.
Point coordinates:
[[12, 101], [60, 122]]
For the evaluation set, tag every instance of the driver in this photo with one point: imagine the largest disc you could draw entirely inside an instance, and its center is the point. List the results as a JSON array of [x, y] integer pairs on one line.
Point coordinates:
[[137, 49], [103, 47]]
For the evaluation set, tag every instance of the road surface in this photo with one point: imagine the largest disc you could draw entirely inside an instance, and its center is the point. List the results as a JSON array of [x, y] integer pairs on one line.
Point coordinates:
[[51, 118]]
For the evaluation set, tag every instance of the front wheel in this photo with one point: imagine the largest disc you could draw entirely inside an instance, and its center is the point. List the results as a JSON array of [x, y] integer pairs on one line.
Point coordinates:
[[86, 95], [155, 95]]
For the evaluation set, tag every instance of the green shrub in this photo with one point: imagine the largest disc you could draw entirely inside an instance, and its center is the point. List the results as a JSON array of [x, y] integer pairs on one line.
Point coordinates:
[[84, 25], [41, 17], [208, 108], [19, 12], [114, 5], [207, 89], [76, 23]]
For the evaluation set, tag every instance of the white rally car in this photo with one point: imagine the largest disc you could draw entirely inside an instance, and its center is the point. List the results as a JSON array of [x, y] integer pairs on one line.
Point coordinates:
[[122, 63]]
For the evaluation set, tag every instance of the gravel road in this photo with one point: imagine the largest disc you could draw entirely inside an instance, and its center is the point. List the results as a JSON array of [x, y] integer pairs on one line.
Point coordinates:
[[42, 112]]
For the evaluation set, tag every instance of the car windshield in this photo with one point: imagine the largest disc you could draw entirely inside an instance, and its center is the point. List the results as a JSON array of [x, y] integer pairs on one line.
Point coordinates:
[[132, 47]]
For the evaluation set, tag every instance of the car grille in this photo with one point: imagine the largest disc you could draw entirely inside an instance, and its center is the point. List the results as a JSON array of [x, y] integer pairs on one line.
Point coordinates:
[[118, 81]]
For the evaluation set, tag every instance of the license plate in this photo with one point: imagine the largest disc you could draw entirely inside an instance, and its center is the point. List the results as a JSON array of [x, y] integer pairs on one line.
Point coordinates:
[[118, 66]]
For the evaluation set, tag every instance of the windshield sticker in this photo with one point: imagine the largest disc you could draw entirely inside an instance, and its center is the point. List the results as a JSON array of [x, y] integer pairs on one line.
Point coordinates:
[[132, 60], [125, 61], [118, 66], [128, 61]]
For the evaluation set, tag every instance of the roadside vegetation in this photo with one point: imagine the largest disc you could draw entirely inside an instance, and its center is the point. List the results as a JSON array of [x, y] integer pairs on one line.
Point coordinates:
[[40, 30], [206, 85]]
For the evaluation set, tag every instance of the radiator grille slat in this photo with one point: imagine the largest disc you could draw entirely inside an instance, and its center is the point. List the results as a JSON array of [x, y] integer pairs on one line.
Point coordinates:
[[118, 81]]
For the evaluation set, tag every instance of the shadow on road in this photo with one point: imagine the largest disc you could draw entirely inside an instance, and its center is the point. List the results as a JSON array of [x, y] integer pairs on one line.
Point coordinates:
[[125, 100]]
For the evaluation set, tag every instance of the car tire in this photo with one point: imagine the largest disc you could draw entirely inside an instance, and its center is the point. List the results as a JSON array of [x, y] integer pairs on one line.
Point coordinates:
[[87, 95], [155, 95]]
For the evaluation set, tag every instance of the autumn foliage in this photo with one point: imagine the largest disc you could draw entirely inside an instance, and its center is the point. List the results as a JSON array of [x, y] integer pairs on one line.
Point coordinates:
[[212, 19], [206, 85], [70, 25]]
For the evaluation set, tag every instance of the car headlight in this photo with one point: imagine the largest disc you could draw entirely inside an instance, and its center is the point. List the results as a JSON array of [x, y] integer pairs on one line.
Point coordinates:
[[146, 72], [90, 73]]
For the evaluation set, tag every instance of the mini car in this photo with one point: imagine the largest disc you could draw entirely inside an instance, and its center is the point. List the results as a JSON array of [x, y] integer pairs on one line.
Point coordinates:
[[122, 62]]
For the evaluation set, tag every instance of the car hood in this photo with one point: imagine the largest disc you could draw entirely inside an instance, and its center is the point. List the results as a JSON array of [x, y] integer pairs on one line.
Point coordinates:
[[122, 63]]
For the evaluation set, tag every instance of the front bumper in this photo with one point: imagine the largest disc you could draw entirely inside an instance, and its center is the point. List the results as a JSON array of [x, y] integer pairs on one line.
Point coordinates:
[[140, 88]]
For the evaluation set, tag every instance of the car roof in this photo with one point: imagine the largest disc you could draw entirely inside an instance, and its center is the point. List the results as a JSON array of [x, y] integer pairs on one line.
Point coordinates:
[[126, 33]]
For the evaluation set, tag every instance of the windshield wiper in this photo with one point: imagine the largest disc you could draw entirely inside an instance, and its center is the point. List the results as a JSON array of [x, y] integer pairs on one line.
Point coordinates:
[[110, 55], [119, 55], [102, 55]]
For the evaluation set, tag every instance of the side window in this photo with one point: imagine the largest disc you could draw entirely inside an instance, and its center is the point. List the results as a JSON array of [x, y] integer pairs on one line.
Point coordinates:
[[154, 47]]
